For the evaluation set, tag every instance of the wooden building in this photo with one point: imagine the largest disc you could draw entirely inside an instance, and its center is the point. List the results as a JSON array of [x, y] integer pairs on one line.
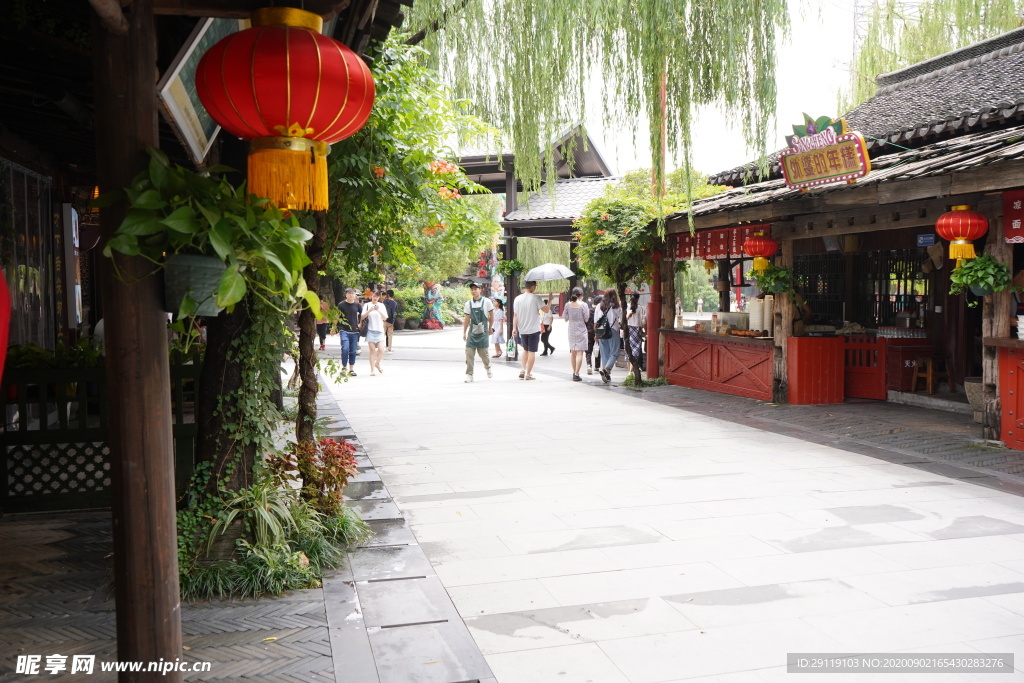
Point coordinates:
[[947, 131], [78, 107]]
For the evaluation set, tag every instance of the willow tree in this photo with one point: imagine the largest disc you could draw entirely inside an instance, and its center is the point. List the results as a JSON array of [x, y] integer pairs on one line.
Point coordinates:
[[532, 67], [903, 32]]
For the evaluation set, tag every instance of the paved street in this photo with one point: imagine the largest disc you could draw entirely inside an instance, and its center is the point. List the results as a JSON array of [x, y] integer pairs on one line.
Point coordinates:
[[587, 535]]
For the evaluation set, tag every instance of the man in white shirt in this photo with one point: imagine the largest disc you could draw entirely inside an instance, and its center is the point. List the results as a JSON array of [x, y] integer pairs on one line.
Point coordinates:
[[477, 324], [526, 311]]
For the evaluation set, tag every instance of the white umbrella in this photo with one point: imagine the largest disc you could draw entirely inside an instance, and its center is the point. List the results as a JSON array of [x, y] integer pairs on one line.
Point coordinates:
[[548, 271]]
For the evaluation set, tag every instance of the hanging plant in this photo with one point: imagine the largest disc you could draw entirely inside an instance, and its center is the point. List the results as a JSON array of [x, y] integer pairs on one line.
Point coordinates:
[[773, 279], [510, 267], [177, 211], [982, 276]]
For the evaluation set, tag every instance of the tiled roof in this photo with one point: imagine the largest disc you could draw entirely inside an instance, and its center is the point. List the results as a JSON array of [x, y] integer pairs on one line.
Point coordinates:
[[961, 153], [571, 195], [976, 86]]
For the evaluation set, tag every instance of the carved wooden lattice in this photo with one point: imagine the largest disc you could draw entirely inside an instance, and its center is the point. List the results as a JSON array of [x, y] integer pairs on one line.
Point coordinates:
[[65, 468]]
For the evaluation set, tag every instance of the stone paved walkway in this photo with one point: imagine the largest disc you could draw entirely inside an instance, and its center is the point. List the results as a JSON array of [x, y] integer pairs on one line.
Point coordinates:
[[585, 534]]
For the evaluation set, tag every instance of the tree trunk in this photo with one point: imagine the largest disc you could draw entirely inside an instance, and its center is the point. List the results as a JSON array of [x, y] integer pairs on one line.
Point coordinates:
[[633, 362], [307, 332], [222, 377]]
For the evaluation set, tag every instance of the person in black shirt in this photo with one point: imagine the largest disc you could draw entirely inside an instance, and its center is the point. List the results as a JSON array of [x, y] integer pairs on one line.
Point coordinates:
[[389, 324], [348, 327]]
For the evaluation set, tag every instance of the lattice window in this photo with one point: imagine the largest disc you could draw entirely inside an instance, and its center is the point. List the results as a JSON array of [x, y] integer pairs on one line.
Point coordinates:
[[56, 469], [888, 283], [821, 280]]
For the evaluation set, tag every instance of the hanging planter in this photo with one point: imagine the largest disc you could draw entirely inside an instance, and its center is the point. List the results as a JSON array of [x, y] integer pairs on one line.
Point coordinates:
[[982, 276], [196, 277]]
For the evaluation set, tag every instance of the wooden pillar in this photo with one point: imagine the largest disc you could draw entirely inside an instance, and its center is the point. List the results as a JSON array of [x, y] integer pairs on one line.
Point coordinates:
[[138, 372], [511, 290], [654, 320], [995, 322], [723, 296], [784, 311]]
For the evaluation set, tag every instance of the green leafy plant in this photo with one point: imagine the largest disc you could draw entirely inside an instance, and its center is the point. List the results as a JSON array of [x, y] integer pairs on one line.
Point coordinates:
[[982, 275], [176, 211], [773, 279], [630, 381], [507, 268]]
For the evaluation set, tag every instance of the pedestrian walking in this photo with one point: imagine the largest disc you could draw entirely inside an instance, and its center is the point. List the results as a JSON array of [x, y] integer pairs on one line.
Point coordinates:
[[348, 329], [546, 320], [374, 313], [323, 324], [700, 305], [590, 335], [526, 310], [607, 322], [389, 324], [577, 313], [477, 323], [636, 322], [498, 328]]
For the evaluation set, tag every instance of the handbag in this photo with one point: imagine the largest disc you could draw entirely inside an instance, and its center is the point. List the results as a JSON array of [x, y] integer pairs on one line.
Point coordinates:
[[364, 327]]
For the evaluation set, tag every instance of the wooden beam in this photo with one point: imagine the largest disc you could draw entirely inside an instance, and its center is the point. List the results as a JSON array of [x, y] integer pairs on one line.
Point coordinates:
[[111, 16], [238, 9], [138, 373], [989, 178]]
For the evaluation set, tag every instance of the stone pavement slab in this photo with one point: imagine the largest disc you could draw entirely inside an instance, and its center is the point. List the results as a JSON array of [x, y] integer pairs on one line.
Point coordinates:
[[585, 532]]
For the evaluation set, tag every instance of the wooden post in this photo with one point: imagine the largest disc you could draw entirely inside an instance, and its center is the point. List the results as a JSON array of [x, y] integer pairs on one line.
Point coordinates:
[[995, 322], [723, 296], [138, 372], [784, 310], [654, 320], [511, 291]]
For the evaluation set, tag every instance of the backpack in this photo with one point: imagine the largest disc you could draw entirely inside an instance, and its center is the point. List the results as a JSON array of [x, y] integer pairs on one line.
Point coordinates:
[[603, 327]]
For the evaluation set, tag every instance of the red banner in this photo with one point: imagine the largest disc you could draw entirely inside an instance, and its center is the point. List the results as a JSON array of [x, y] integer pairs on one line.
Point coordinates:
[[716, 244], [1013, 216]]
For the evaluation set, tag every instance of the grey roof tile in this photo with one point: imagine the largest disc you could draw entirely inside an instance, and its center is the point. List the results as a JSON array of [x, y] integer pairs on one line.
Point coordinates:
[[571, 195], [975, 86]]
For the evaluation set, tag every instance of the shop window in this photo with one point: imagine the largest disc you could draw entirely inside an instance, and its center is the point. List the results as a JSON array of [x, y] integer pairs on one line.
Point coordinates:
[[821, 280], [889, 287]]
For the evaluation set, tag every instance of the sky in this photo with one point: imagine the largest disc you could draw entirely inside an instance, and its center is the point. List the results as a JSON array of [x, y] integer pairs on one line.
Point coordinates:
[[821, 33]]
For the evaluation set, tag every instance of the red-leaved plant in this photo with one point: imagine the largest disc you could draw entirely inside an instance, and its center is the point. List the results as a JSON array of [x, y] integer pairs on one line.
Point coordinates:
[[324, 467]]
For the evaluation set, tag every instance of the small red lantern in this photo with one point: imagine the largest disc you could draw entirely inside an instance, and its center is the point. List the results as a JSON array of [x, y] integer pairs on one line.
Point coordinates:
[[761, 247], [960, 226], [290, 90], [481, 273]]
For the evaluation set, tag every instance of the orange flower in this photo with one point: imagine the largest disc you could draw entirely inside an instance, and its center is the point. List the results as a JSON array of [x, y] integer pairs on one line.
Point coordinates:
[[605, 216], [378, 171], [600, 232]]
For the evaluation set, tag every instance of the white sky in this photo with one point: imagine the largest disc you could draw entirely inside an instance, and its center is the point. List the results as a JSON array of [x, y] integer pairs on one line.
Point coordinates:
[[813, 67]]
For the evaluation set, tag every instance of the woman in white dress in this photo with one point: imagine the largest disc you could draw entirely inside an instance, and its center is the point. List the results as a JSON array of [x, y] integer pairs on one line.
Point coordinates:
[[498, 332], [374, 313]]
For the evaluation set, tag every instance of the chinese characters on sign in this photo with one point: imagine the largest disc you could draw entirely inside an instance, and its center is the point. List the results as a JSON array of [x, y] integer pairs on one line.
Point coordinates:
[[823, 152], [716, 244], [1013, 216]]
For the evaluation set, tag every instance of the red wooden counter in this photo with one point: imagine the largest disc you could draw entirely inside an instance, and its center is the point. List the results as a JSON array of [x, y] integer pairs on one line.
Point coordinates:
[[729, 365], [814, 370], [1011, 390]]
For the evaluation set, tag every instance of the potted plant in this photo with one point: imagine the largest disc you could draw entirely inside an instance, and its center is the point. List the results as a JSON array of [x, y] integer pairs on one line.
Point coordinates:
[[412, 323], [773, 279], [982, 275], [511, 267], [214, 242]]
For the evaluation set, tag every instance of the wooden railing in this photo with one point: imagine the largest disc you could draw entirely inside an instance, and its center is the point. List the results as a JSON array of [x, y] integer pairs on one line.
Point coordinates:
[[53, 445]]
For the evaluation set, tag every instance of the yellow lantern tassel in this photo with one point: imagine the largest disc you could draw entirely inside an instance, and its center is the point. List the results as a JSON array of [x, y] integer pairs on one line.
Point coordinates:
[[709, 266], [291, 172], [961, 250], [760, 263]]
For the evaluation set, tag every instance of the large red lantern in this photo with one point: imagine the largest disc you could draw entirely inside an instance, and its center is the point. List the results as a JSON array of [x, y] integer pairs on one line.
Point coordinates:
[[960, 226], [292, 92], [761, 247]]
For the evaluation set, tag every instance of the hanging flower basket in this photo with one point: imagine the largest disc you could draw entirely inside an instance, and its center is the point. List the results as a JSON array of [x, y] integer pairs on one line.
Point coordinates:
[[195, 276]]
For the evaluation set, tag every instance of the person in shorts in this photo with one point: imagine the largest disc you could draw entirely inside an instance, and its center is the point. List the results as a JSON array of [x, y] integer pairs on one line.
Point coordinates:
[[526, 312]]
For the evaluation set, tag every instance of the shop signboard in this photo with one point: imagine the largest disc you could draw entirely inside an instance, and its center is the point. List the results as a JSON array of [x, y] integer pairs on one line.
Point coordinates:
[[720, 243], [821, 151], [1013, 216]]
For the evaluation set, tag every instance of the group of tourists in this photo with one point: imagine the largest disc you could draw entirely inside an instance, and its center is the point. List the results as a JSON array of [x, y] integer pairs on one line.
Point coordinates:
[[599, 320], [373, 319]]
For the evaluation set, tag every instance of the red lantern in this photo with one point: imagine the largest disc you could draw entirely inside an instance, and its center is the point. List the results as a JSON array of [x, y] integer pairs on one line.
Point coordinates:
[[481, 273], [761, 247], [290, 90], [960, 226]]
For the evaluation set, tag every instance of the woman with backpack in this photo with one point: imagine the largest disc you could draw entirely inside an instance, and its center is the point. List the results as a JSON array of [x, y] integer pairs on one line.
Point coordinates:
[[607, 321]]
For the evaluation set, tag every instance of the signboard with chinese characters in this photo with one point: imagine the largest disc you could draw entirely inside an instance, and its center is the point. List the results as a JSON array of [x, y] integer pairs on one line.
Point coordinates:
[[716, 244], [821, 152], [1013, 216]]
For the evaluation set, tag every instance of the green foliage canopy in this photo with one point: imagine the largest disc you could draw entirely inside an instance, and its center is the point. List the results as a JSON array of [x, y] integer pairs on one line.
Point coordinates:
[[529, 66], [616, 239]]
